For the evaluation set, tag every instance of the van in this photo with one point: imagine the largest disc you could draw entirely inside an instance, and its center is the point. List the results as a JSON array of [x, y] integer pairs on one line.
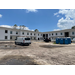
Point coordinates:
[[22, 41]]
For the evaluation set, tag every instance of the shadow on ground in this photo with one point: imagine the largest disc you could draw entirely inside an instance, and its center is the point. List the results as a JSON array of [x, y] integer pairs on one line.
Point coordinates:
[[50, 46], [17, 60], [12, 47], [7, 42]]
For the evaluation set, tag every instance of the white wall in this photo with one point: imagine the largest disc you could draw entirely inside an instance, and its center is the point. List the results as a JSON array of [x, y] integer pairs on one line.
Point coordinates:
[[54, 34], [71, 33], [38, 36], [25, 34], [3, 34], [14, 33]]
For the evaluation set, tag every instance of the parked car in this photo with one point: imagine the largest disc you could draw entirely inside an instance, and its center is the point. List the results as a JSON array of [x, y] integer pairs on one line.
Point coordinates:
[[73, 40], [23, 41], [47, 40]]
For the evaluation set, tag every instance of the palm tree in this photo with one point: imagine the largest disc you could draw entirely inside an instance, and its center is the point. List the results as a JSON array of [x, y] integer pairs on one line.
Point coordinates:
[[15, 26], [23, 26]]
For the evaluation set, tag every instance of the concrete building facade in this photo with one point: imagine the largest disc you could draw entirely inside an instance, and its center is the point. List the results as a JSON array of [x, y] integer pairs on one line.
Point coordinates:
[[12, 34]]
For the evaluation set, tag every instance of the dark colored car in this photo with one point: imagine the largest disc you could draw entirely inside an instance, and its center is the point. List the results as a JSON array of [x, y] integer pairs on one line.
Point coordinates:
[[47, 40]]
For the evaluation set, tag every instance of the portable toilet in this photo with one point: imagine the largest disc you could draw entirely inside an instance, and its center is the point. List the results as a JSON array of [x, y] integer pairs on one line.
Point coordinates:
[[57, 40], [61, 40], [69, 40], [66, 41]]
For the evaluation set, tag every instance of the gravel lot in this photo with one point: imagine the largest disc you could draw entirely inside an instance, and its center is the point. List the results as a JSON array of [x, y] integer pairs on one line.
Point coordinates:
[[38, 53]]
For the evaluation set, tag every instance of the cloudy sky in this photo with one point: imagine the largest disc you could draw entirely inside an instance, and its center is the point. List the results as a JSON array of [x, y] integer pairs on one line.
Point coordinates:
[[41, 19]]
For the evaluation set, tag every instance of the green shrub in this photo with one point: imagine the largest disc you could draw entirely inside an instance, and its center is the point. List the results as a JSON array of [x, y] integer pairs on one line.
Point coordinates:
[[54, 43]]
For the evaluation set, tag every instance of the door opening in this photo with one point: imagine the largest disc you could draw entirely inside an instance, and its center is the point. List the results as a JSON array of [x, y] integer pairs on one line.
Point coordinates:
[[66, 34], [44, 36], [38, 38]]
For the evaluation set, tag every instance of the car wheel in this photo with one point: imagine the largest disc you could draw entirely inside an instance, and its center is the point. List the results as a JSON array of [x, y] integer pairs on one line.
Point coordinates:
[[15, 43], [21, 44], [27, 44]]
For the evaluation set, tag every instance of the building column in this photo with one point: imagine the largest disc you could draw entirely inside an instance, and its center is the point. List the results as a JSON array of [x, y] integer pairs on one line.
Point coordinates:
[[45, 36]]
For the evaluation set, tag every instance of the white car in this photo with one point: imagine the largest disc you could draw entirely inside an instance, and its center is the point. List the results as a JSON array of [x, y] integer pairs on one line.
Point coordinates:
[[73, 40], [23, 41], [53, 40]]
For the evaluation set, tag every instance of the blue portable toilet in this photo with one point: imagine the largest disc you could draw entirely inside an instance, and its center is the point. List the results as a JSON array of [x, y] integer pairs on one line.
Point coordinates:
[[69, 40], [61, 40], [57, 40], [66, 41]]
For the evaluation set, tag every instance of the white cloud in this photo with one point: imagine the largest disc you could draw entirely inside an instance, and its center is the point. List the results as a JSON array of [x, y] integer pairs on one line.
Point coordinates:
[[0, 16], [26, 28], [8, 26], [63, 11], [31, 10], [56, 29], [57, 15], [68, 21], [32, 30]]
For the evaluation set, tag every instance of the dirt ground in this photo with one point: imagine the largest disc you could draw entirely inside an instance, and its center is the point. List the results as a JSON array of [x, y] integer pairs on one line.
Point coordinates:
[[39, 52]]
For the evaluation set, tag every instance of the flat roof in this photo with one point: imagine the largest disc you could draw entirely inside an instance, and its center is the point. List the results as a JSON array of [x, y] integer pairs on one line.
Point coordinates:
[[65, 30], [19, 29]]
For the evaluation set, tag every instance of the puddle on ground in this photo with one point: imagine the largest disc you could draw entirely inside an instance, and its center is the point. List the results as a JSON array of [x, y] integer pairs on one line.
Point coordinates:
[[17, 60], [50, 46], [12, 47]]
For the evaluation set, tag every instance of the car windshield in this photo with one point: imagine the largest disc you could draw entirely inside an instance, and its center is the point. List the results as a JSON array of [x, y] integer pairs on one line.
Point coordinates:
[[73, 38], [27, 38]]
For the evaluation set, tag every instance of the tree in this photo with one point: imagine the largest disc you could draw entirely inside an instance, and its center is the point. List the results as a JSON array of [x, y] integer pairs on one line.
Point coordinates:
[[15, 26], [36, 30], [73, 27]]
